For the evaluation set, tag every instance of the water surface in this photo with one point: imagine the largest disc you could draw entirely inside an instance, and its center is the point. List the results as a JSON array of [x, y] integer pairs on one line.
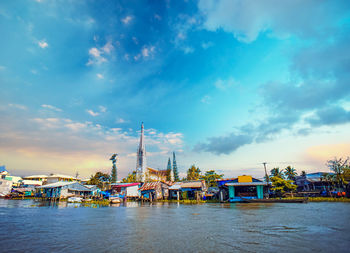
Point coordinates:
[[28, 226]]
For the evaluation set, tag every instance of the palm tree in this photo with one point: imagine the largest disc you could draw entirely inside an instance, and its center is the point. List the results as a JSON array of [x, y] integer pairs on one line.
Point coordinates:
[[276, 172], [290, 173], [338, 166]]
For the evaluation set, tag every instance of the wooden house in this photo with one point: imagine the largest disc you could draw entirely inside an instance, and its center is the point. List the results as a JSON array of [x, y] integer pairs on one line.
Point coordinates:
[[193, 189], [154, 190]]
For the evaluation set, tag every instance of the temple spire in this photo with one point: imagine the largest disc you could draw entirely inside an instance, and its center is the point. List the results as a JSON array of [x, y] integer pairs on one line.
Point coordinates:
[[141, 158]]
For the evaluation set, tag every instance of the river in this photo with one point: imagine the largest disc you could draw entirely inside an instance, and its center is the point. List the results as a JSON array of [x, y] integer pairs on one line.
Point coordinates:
[[28, 226]]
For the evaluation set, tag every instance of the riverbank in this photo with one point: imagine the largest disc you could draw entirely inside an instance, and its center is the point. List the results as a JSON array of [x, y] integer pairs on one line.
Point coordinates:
[[106, 202], [324, 199]]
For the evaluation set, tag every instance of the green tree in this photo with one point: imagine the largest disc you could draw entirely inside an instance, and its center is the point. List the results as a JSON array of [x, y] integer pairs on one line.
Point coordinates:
[[100, 179], [276, 172], [168, 171], [210, 178], [130, 178], [193, 173], [114, 168], [338, 166], [280, 185], [175, 171], [303, 173], [290, 173]]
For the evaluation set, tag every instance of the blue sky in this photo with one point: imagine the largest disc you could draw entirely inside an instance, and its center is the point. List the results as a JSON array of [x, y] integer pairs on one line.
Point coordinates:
[[227, 84]]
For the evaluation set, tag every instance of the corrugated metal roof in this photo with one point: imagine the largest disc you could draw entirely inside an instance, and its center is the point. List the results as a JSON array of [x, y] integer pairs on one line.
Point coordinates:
[[78, 187], [22, 189], [61, 176], [194, 184], [176, 186], [119, 185], [36, 176], [150, 186], [56, 184], [246, 184]]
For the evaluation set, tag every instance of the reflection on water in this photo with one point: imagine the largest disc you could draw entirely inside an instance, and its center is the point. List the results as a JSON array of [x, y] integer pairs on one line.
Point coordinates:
[[28, 225]]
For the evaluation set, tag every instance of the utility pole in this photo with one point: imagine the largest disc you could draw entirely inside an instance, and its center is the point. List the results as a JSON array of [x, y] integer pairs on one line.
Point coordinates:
[[266, 176]]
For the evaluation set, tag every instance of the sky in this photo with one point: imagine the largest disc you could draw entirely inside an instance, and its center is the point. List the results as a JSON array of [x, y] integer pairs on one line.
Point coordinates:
[[226, 84]]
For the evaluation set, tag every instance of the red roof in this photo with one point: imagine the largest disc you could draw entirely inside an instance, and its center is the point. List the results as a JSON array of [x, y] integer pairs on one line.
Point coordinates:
[[125, 185]]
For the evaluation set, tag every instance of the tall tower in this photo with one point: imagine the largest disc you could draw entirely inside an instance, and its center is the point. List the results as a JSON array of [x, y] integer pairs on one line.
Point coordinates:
[[141, 158], [176, 173]]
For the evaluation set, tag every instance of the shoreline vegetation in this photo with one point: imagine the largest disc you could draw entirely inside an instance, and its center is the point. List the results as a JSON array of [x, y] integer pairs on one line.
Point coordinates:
[[189, 201]]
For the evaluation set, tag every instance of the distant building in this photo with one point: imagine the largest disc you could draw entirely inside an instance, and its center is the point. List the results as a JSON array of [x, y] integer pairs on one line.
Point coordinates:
[[141, 158], [313, 182], [16, 181], [5, 187], [64, 190], [131, 190], [245, 187], [193, 189], [154, 190], [36, 178], [60, 178], [33, 183]]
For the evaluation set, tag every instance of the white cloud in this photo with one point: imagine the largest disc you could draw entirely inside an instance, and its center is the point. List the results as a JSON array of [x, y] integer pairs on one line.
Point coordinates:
[[147, 51], [63, 145], [137, 57], [102, 108], [76, 126], [225, 84], [99, 76], [121, 121], [127, 19], [95, 52], [51, 107], [247, 19], [95, 56], [43, 44], [92, 113], [108, 47], [18, 106]]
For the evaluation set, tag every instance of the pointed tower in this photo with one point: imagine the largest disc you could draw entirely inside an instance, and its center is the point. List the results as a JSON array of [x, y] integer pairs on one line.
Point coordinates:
[[141, 158], [169, 176], [176, 173]]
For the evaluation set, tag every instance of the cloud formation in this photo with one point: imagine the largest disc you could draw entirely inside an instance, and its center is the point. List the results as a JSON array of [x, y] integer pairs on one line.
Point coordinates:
[[43, 44], [247, 19], [51, 107], [312, 98]]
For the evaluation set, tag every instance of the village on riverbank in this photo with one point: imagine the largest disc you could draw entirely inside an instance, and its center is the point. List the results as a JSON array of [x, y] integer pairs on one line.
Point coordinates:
[[148, 184]]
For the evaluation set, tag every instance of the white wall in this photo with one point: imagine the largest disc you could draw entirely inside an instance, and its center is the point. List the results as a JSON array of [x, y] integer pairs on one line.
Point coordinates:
[[133, 191]]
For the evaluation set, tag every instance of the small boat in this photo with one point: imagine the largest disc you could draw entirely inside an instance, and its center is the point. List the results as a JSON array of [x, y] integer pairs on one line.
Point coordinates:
[[304, 200], [115, 200], [74, 200]]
